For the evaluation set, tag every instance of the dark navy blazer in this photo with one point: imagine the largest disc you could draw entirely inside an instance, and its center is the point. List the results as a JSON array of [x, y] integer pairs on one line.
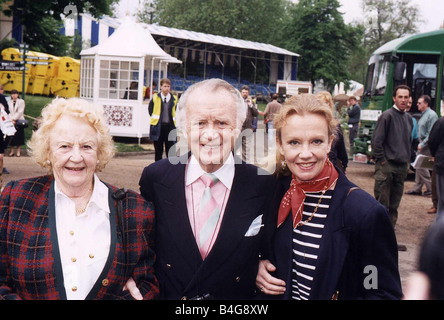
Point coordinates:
[[357, 234]]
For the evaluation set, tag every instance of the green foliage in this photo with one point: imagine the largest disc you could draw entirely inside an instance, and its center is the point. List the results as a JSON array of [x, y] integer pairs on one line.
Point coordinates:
[[318, 33], [382, 21], [41, 20], [33, 109], [255, 20], [45, 37], [7, 43], [386, 20]]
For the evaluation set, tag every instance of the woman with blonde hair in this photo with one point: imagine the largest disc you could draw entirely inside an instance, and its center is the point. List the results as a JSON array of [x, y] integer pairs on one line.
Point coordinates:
[[68, 235], [323, 231]]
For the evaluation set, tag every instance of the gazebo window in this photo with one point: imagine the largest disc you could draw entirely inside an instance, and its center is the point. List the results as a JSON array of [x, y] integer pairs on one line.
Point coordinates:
[[119, 79], [87, 78]]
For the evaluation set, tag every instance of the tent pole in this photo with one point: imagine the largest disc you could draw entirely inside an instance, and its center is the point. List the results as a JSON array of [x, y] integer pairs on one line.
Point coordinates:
[[152, 75]]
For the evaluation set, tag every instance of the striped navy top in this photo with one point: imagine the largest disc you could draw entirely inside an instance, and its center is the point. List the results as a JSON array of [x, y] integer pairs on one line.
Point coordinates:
[[306, 243]]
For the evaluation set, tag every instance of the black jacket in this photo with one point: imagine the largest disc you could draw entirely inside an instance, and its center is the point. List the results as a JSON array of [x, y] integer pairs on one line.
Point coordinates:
[[392, 137], [436, 144]]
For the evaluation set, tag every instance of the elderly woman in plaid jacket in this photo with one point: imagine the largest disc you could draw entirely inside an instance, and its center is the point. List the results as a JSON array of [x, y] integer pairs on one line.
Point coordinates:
[[68, 235]]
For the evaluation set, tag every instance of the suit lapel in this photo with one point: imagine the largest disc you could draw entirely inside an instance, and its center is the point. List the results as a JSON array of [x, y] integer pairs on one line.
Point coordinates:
[[242, 208], [173, 208]]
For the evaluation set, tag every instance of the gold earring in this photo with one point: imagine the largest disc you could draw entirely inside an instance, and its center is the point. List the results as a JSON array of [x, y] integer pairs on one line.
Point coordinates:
[[284, 164]]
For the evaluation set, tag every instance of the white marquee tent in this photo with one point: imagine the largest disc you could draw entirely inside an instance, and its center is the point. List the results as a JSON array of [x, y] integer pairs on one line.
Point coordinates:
[[113, 74]]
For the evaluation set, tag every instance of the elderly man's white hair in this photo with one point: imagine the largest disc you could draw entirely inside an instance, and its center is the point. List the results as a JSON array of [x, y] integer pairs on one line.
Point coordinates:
[[211, 85]]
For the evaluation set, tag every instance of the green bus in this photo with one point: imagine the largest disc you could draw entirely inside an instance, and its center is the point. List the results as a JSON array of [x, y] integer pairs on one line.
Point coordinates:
[[416, 61]]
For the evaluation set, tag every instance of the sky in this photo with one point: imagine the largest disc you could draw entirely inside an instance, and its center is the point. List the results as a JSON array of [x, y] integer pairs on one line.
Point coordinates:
[[431, 11]]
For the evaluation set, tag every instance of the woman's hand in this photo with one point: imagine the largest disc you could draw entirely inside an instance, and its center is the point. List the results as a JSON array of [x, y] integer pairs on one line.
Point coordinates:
[[418, 287], [133, 290], [266, 282]]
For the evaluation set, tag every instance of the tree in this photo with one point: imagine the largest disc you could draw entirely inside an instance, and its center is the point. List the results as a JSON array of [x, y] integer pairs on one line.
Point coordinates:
[[41, 20], [384, 20], [255, 20], [318, 33]]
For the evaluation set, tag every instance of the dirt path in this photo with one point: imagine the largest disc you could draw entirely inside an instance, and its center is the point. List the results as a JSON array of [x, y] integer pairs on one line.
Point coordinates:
[[125, 172]]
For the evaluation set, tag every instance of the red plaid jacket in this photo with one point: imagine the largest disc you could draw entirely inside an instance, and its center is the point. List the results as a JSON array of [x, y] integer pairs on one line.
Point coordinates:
[[30, 266]]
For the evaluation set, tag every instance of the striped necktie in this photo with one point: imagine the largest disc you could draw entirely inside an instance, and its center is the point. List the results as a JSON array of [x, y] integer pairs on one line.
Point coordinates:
[[208, 214]]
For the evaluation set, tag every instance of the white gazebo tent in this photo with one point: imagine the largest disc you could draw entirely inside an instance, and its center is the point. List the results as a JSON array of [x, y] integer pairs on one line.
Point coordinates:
[[112, 74]]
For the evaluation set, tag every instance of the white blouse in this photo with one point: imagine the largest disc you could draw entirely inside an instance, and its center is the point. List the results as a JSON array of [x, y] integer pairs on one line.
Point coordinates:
[[84, 240]]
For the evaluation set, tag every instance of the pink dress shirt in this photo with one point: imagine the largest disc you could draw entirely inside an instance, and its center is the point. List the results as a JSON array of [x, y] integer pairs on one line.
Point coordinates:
[[194, 189]]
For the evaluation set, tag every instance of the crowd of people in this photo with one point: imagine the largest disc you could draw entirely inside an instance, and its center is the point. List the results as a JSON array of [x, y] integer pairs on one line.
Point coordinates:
[[206, 224]]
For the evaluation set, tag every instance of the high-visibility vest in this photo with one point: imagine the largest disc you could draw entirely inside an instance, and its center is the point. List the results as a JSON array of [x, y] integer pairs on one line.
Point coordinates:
[[157, 108]]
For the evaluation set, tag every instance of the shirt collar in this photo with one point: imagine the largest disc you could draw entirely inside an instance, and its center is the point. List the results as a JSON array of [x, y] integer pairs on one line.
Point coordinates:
[[394, 106], [99, 196], [167, 96], [225, 174], [426, 110]]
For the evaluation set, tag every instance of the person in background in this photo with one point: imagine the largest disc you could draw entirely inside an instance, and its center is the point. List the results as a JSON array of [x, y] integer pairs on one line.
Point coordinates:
[[162, 110], [270, 111], [131, 93], [436, 145], [251, 113], [338, 154], [17, 112], [149, 93], [68, 235], [323, 231], [354, 116], [391, 144], [415, 140], [425, 124], [4, 106]]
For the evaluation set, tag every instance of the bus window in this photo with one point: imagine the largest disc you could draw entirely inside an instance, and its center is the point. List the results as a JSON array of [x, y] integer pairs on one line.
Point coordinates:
[[377, 75], [369, 79], [424, 81]]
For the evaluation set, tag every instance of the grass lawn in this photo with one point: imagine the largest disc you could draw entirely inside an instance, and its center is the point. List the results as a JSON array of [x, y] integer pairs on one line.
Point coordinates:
[[261, 107], [35, 104], [33, 109]]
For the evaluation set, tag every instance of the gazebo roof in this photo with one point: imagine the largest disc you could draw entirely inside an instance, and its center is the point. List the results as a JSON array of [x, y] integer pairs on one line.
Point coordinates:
[[131, 39]]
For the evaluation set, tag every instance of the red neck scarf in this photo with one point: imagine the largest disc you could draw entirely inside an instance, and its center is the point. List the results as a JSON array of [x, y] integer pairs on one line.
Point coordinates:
[[294, 198]]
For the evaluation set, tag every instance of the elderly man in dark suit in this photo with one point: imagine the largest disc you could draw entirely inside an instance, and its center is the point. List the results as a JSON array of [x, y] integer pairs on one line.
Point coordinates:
[[209, 204]]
